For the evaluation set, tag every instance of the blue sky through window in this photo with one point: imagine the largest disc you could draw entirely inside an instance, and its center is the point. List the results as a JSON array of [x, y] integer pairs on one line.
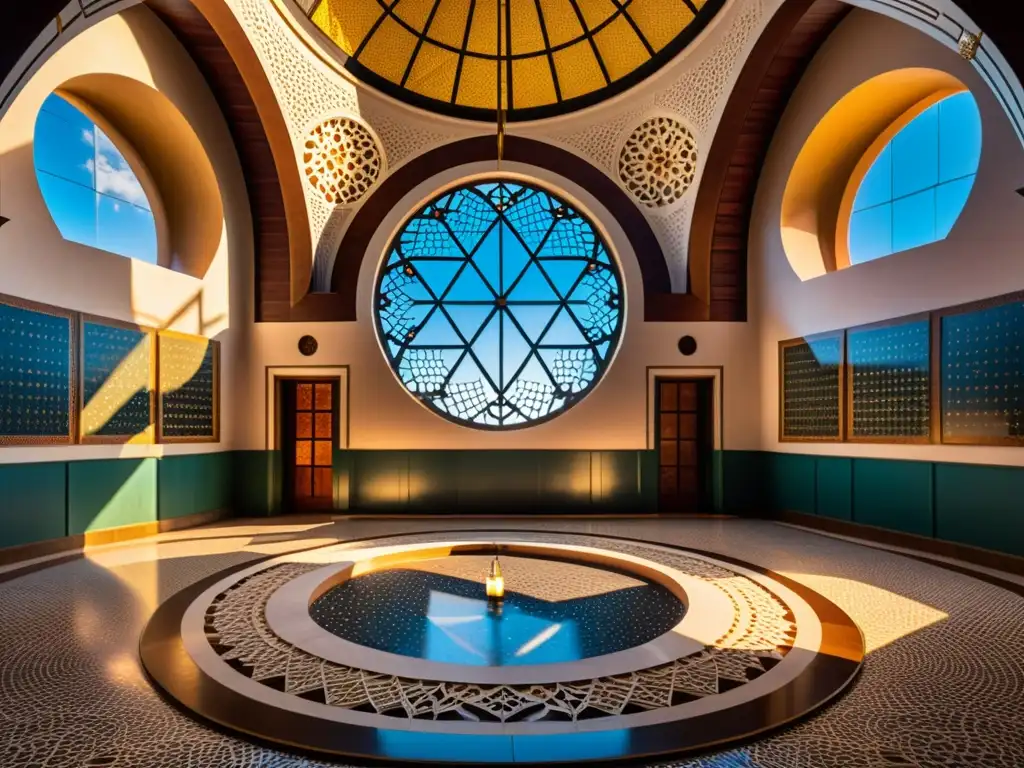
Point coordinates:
[[499, 305], [919, 184], [92, 193]]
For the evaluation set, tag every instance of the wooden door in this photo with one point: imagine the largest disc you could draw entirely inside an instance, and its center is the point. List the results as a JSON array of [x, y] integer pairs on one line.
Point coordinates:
[[683, 433], [309, 434]]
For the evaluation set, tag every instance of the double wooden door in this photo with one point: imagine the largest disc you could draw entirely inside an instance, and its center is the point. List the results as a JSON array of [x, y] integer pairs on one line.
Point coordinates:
[[308, 436], [685, 442]]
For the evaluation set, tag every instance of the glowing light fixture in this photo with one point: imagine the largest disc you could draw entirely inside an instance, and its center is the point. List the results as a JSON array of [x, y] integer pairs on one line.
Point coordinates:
[[495, 582]]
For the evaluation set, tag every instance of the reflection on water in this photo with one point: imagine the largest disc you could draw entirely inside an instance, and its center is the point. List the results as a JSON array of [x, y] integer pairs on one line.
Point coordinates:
[[447, 618]]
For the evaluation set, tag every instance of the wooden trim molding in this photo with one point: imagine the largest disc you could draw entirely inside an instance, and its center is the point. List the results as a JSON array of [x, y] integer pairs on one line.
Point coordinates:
[[83, 541], [937, 432], [840, 373], [147, 437], [850, 436], [74, 322], [342, 303], [211, 34], [725, 200], [976, 555]]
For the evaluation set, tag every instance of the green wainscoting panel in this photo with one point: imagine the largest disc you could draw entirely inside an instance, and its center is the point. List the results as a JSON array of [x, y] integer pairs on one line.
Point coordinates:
[[649, 480], [194, 483], [109, 493], [486, 482], [257, 480], [379, 481], [432, 480], [745, 487], [834, 487], [980, 505], [893, 494], [791, 479], [33, 502]]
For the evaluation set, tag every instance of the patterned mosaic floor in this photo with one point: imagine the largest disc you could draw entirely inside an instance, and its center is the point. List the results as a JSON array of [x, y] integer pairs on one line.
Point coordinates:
[[943, 684]]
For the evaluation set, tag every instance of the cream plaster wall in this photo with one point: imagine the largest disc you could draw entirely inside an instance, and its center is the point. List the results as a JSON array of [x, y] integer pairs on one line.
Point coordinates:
[[614, 416], [37, 263], [982, 257]]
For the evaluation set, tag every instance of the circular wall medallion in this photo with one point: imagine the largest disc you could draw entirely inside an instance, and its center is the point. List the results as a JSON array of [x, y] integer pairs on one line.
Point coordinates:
[[499, 305], [687, 345], [658, 161], [751, 651], [308, 346], [341, 160]]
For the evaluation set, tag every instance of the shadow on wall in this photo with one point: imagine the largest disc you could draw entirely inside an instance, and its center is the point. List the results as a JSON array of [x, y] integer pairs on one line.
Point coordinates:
[[71, 498]]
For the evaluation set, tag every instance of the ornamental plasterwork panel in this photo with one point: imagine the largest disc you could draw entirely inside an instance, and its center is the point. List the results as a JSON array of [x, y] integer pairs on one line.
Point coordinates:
[[657, 161], [697, 97], [305, 89], [341, 160]]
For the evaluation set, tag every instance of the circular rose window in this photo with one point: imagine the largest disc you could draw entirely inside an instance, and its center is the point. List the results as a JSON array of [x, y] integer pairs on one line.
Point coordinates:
[[498, 304]]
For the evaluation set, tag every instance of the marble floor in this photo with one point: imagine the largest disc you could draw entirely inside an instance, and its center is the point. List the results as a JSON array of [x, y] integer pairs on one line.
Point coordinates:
[[942, 683]]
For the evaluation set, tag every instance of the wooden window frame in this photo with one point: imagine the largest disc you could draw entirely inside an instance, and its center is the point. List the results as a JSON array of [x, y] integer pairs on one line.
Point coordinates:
[[936, 434], [849, 373], [938, 419], [152, 333], [840, 373], [74, 374], [173, 440]]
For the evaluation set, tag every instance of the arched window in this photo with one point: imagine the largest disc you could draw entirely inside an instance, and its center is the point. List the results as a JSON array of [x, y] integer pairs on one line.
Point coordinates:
[[498, 305], [94, 196], [919, 183]]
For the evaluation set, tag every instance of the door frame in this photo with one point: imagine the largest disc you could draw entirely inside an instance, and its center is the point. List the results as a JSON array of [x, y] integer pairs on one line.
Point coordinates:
[[717, 376], [276, 374]]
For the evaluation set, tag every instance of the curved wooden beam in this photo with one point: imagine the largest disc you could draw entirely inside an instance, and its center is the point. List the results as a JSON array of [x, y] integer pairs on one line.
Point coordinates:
[[236, 78], [721, 219], [656, 280]]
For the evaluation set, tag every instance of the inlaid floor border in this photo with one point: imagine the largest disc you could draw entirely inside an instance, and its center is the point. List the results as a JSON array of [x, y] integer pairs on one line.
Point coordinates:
[[171, 668]]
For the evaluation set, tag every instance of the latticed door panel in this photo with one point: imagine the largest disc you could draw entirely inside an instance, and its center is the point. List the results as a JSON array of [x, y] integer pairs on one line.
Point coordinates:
[[311, 424]]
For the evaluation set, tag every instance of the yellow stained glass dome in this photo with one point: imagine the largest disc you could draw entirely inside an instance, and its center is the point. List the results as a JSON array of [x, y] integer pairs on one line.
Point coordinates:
[[556, 55]]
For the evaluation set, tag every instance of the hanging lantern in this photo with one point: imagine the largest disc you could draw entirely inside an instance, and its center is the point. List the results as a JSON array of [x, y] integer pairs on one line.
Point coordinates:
[[495, 582]]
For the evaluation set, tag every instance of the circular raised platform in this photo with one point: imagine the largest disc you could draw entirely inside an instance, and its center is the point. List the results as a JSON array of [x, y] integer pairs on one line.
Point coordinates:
[[553, 611], [613, 649]]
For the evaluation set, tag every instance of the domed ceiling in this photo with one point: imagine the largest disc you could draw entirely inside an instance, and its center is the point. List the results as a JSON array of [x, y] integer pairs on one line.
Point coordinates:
[[557, 55]]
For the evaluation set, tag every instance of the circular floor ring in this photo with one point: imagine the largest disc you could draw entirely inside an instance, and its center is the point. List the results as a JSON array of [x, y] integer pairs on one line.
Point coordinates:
[[780, 651]]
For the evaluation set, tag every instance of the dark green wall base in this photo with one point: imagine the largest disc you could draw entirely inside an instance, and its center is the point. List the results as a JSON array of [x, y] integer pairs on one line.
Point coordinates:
[[39, 502], [463, 482], [976, 505]]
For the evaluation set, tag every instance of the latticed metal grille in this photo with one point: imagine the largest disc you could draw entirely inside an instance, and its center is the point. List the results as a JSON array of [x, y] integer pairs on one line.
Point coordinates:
[[499, 305]]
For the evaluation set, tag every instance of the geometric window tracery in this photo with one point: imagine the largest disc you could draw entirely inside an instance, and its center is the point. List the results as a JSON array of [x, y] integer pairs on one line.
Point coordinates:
[[498, 305]]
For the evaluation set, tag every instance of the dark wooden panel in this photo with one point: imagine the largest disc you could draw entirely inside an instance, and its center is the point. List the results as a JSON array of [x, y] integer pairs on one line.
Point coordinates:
[[654, 270], [270, 226], [721, 223]]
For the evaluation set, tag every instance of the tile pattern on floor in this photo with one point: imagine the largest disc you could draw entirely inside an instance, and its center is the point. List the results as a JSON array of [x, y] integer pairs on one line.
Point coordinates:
[[943, 684]]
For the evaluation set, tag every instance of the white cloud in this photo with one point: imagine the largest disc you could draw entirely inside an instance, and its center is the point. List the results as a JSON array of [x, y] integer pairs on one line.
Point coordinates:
[[113, 174]]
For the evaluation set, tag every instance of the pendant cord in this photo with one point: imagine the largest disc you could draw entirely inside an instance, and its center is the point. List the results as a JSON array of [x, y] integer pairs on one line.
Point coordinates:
[[499, 110]]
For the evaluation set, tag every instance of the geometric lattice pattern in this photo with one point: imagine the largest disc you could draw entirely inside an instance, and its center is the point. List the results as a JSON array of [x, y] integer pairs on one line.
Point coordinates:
[[341, 160], [498, 304], [552, 55], [658, 161], [760, 637]]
